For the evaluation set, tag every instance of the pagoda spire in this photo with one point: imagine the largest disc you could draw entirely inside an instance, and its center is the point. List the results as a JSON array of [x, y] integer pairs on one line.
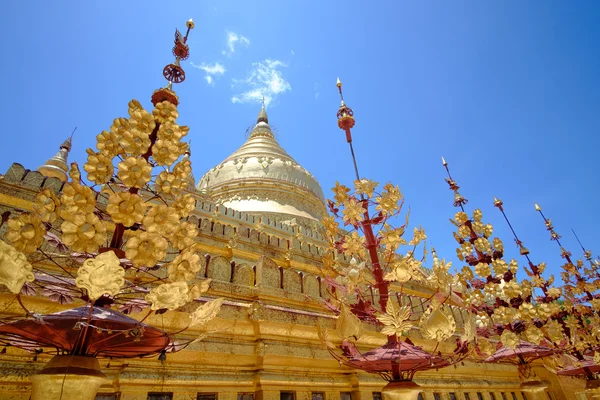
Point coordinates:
[[57, 166], [262, 115]]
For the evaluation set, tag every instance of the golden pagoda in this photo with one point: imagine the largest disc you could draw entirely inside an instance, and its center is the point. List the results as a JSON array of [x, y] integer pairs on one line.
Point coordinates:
[[261, 178], [258, 218]]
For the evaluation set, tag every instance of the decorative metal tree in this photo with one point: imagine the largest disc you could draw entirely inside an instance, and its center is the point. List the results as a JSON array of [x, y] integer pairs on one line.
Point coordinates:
[[580, 313], [123, 243], [369, 287], [506, 308]]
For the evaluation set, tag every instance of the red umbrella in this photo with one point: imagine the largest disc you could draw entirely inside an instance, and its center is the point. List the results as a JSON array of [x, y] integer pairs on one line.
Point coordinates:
[[522, 351], [81, 331], [584, 367], [409, 358]]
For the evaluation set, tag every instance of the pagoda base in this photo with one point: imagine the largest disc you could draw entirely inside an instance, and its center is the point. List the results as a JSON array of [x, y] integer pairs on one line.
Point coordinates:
[[401, 390], [535, 390], [68, 377]]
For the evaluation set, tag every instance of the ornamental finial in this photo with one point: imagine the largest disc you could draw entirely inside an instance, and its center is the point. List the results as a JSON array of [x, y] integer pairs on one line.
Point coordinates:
[[537, 207], [173, 72], [345, 115], [444, 163]]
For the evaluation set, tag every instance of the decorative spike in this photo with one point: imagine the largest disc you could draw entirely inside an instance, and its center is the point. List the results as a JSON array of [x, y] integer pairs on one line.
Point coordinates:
[[497, 202], [537, 207], [444, 163], [339, 83]]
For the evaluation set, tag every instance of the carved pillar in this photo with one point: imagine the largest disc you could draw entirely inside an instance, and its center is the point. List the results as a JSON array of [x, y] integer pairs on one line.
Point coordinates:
[[223, 396], [427, 395]]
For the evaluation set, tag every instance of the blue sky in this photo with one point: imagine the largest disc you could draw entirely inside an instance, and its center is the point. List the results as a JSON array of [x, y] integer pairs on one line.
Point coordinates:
[[508, 92]]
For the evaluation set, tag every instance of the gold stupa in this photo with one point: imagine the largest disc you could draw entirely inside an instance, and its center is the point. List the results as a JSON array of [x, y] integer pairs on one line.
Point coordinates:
[[261, 177]]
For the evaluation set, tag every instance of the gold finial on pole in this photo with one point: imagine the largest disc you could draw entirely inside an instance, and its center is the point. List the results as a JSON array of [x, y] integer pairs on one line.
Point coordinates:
[[345, 115], [444, 163], [537, 207]]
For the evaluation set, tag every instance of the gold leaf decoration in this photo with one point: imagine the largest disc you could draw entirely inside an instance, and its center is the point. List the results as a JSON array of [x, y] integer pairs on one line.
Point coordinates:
[[15, 270], [169, 295], [101, 275], [205, 312], [509, 339], [395, 319], [348, 325], [437, 325], [324, 337]]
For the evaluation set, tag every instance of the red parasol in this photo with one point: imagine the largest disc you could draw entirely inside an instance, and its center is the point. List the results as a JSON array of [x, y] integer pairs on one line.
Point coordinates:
[[88, 332], [409, 358], [524, 350], [582, 368]]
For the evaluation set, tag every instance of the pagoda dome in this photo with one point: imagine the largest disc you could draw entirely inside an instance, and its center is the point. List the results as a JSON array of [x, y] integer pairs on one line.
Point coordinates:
[[262, 178]]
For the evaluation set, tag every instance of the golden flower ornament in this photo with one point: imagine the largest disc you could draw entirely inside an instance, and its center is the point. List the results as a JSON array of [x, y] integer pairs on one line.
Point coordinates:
[[84, 232], [184, 205], [99, 167], [169, 183], [141, 120], [404, 270], [438, 325], [171, 131], [206, 312], [348, 325], [135, 142], [340, 193], [484, 346], [108, 144], [146, 249], [15, 270], [25, 232], [119, 127], [133, 106], [354, 244], [161, 219], [185, 266], [169, 295], [461, 217], [509, 339], [534, 334], [184, 236], [134, 172], [391, 237], [183, 169], [353, 212], [387, 203], [74, 173], [365, 186], [166, 152], [418, 237], [101, 275], [47, 206], [76, 199], [126, 208], [395, 320], [165, 111]]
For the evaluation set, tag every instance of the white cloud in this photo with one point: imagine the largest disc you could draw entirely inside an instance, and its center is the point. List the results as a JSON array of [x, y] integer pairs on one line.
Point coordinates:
[[215, 69], [265, 80], [292, 51], [233, 39]]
